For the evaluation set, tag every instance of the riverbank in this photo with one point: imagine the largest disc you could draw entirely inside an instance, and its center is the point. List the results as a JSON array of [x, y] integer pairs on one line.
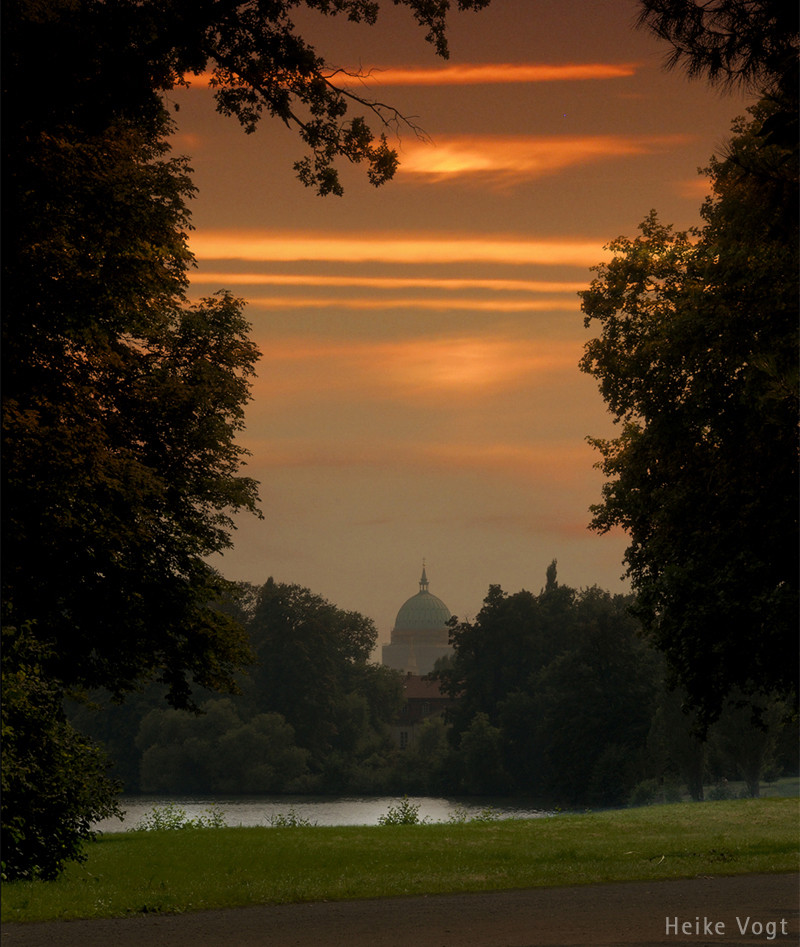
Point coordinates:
[[366, 810], [316, 810], [209, 869]]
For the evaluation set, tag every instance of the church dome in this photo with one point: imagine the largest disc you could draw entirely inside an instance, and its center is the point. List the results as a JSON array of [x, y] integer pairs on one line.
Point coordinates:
[[420, 636], [423, 611]]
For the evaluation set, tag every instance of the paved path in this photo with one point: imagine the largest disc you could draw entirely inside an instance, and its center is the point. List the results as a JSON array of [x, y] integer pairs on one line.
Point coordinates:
[[590, 916]]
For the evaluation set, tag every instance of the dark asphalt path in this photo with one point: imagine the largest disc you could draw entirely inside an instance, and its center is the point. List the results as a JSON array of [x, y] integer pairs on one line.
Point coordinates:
[[590, 916]]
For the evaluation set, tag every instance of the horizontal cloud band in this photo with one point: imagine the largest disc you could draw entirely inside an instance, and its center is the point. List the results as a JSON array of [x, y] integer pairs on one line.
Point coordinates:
[[384, 248], [468, 74], [498, 73], [448, 284], [524, 157]]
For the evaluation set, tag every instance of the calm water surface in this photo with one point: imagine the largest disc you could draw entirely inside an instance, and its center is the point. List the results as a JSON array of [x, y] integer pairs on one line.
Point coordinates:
[[319, 810]]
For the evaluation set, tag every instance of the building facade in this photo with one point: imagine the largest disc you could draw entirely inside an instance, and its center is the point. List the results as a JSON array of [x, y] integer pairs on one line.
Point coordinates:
[[422, 701], [420, 634]]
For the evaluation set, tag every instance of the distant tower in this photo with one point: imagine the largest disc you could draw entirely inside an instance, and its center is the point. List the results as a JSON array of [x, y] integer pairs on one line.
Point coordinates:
[[420, 633]]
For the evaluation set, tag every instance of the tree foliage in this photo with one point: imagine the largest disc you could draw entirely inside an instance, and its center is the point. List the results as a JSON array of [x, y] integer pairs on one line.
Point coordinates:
[[119, 475], [749, 42], [313, 712], [312, 666], [54, 780], [80, 62], [551, 686], [219, 752], [697, 362], [587, 720], [121, 407], [122, 401]]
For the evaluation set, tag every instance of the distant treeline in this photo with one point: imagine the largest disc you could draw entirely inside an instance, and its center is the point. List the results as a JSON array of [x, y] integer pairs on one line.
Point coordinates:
[[555, 695]]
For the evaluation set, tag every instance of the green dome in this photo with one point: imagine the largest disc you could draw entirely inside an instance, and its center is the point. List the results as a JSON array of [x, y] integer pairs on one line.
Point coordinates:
[[423, 611]]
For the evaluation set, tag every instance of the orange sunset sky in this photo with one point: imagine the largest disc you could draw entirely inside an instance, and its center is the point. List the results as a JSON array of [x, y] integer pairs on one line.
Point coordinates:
[[418, 393]]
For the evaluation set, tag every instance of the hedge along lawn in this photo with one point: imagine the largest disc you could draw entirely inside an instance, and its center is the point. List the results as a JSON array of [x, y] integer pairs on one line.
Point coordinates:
[[196, 869]]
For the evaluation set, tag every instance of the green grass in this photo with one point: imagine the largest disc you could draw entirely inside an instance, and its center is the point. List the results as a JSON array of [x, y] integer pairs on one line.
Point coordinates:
[[195, 869]]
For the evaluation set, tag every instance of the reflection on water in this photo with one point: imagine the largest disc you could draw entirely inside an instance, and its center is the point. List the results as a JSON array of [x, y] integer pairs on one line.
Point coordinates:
[[319, 810]]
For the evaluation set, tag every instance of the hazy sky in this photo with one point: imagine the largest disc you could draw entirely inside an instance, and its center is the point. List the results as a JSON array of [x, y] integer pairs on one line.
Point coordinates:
[[418, 393]]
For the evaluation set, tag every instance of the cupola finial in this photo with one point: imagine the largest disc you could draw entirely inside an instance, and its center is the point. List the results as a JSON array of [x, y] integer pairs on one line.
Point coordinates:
[[423, 582]]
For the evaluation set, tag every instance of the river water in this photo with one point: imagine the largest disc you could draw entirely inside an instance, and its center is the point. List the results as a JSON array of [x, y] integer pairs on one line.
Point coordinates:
[[318, 810]]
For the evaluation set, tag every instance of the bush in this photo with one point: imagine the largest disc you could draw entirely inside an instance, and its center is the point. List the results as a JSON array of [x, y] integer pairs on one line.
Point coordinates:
[[651, 791], [406, 813], [720, 792], [171, 818], [487, 814], [54, 781], [289, 820], [644, 793], [672, 793], [460, 815]]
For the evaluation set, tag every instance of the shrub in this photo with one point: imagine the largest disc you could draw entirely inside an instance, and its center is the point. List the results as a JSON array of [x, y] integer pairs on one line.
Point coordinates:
[[651, 791], [54, 781], [720, 792], [644, 793], [289, 820], [487, 814], [406, 813], [171, 818], [459, 816]]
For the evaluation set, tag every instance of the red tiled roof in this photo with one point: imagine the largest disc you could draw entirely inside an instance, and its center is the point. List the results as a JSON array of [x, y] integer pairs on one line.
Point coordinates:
[[415, 688]]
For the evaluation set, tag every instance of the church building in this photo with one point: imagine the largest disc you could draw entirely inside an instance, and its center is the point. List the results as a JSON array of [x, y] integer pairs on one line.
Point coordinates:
[[420, 633]]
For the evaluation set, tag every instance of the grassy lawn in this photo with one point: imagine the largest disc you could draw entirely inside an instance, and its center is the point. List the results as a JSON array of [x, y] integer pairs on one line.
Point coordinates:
[[195, 869]]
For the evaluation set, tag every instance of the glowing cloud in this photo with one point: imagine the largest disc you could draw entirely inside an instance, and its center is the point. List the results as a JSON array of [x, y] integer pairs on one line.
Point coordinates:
[[532, 462], [695, 188], [449, 284], [494, 73], [434, 305], [384, 248], [409, 368], [497, 73], [522, 158], [541, 462], [469, 74]]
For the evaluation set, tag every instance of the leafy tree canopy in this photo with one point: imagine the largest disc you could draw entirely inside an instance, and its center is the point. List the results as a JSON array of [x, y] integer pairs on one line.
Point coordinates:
[[310, 655], [219, 752], [122, 401], [80, 63], [54, 781], [749, 42], [697, 362], [547, 684]]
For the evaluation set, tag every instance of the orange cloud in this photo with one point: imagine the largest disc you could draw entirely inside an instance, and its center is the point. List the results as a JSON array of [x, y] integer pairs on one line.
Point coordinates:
[[289, 247], [470, 74], [547, 460], [522, 158], [695, 188], [410, 368], [544, 461], [385, 282], [432, 304], [505, 73], [190, 140]]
